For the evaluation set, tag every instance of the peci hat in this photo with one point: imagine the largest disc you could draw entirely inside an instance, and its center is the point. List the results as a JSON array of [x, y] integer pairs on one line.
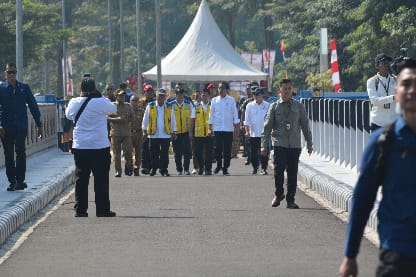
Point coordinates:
[[161, 91], [258, 91], [382, 57]]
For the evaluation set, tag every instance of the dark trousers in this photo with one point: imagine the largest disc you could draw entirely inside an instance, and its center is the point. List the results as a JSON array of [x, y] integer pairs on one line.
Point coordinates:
[[146, 155], [159, 153], [223, 143], [255, 145], [286, 159], [15, 142], [374, 127], [203, 151], [182, 148], [98, 162], [393, 264]]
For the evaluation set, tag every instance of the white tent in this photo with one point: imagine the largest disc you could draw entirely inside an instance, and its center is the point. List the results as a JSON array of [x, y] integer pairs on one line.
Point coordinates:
[[204, 54]]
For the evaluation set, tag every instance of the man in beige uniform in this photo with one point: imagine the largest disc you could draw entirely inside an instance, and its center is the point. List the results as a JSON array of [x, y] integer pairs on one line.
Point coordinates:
[[136, 133], [120, 134]]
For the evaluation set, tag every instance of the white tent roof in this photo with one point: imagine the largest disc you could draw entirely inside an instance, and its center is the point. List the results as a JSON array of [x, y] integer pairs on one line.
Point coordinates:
[[204, 54]]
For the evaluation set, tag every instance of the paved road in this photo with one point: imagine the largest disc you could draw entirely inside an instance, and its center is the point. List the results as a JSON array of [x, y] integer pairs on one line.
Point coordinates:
[[189, 226]]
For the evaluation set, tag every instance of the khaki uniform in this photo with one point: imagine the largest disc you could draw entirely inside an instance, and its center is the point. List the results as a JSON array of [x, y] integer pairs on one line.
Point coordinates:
[[120, 134], [137, 133]]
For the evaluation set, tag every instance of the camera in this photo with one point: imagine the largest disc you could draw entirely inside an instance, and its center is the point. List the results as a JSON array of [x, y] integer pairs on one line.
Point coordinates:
[[397, 60]]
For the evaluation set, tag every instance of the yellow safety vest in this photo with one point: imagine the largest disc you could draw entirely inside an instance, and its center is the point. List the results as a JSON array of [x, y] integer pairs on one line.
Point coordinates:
[[201, 120], [152, 126], [182, 116]]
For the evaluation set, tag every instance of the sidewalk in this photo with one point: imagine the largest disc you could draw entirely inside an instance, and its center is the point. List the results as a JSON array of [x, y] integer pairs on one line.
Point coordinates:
[[47, 174]]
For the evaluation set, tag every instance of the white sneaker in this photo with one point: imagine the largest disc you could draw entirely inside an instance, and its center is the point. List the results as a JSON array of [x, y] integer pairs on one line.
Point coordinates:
[[194, 172]]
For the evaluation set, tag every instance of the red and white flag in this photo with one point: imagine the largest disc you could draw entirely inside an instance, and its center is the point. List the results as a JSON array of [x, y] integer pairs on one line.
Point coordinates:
[[336, 82]]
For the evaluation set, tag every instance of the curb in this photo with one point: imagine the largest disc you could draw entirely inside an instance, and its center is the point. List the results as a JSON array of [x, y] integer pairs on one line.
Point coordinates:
[[22, 210]]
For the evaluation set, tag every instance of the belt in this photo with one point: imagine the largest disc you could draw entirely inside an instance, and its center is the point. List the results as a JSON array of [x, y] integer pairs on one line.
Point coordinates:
[[136, 130]]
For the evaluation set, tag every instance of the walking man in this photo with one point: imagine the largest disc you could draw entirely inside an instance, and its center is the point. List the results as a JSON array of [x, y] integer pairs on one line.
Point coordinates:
[[159, 127], [388, 162], [14, 96], [254, 122], [223, 122], [284, 122], [136, 133], [149, 96], [199, 134]]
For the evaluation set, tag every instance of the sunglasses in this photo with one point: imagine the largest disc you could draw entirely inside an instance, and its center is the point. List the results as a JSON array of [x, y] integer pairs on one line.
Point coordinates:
[[11, 71]]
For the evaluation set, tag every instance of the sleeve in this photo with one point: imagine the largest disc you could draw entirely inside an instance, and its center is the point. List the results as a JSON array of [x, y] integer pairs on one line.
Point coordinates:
[[111, 107], [375, 97], [236, 120], [212, 113], [304, 124], [364, 195], [145, 121], [268, 125], [69, 111], [33, 106], [247, 121]]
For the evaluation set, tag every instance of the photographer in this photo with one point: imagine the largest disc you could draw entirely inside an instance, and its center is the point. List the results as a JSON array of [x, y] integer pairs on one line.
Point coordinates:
[[380, 89], [91, 147]]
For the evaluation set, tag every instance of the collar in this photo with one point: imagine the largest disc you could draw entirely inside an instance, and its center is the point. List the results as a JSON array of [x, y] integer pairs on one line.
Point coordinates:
[[280, 101]]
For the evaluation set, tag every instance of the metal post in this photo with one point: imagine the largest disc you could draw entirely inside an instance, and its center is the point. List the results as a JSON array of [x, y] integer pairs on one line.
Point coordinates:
[[121, 42], [158, 44], [64, 69], [324, 50], [110, 44], [19, 39], [138, 46]]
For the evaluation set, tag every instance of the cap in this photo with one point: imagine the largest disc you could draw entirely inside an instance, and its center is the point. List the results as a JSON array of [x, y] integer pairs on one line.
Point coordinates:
[[382, 57], [147, 87], [253, 88], [210, 85], [258, 91], [179, 90], [120, 92], [161, 91]]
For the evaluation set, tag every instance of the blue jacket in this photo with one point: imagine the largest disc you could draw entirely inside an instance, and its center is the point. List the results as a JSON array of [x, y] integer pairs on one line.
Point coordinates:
[[13, 110], [397, 209]]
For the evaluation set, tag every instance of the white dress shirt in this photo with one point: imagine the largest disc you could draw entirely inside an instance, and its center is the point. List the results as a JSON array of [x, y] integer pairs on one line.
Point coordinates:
[[91, 130], [382, 98], [223, 114], [160, 124], [254, 117]]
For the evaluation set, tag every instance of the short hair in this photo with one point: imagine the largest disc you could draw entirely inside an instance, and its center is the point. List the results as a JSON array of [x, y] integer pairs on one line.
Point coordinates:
[[406, 63], [88, 84], [9, 65], [123, 86], [284, 81], [225, 84], [205, 90]]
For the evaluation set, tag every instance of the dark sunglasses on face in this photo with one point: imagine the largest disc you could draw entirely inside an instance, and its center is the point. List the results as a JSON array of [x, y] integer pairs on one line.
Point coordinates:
[[11, 71]]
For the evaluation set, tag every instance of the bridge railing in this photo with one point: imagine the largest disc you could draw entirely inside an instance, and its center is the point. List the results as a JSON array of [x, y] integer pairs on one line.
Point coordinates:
[[51, 113], [340, 129]]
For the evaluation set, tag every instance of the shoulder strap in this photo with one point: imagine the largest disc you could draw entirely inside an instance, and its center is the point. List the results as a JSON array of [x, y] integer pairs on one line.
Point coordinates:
[[81, 110], [384, 142]]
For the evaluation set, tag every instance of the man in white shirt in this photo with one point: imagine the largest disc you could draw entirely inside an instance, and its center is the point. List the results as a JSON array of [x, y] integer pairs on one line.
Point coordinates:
[[254, 121], [159, 126], [380, 89], [91, 147], [223, 122]]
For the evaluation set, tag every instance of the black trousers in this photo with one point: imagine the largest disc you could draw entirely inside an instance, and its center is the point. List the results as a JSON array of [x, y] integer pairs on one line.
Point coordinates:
[[394, 264], [15, 142], [98, 162], [286, 159], [159, 153], [146, 155], [255, 146], [223, 143], [182, 148], [203, 153]]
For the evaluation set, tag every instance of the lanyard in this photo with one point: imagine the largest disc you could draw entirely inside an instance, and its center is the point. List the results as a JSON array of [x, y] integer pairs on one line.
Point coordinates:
[[386, 88]]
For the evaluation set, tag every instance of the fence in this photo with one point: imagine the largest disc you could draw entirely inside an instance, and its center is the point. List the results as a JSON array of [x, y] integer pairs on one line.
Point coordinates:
[[340, 129]]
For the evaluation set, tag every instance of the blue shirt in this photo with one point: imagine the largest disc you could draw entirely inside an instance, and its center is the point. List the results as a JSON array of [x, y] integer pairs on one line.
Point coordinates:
[[397, 209], [13, 110]]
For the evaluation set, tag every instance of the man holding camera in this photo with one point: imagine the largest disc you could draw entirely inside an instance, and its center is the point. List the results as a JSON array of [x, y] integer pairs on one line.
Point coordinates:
[[380, 89]]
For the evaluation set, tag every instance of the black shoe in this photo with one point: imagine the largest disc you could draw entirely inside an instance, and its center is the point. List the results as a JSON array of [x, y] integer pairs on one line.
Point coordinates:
[[200, 172], [136, 172], [264, 172], [128, 172], [277, 199], [165, 173], [21, 186], [208, 172], [247, 162], [216, 170], [12, 187], [225, 173], [152, 173], [145, 171], [118, 174], [244, 155], [106, 214], [81, 214], [255, 171], [292, 205]]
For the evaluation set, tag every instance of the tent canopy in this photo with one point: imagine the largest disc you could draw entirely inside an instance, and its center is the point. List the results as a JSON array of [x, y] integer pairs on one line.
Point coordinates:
[[204, 54]]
